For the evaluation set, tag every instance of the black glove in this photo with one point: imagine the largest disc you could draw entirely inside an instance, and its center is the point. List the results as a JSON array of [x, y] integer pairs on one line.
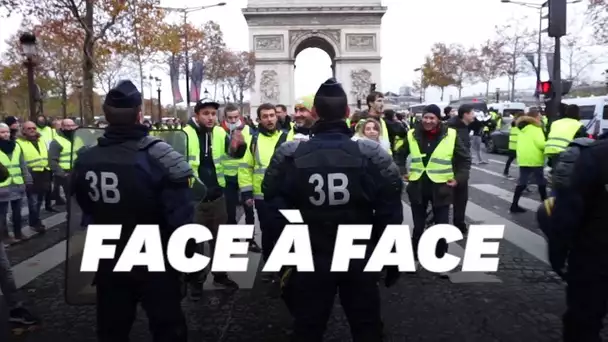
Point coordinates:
[[392, 275]]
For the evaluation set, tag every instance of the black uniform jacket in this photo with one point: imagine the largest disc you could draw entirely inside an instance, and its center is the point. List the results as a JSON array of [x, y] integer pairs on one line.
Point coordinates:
[[440, 193]]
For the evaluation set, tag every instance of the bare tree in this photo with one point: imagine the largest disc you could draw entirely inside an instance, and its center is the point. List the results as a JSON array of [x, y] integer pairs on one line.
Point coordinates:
[[597, 14], [578, 53], [462, 64], [517, 40], [491, 62]]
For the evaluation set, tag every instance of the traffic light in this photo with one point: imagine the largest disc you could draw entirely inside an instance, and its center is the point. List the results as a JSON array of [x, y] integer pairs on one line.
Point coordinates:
[[557, 18], [546, 88]]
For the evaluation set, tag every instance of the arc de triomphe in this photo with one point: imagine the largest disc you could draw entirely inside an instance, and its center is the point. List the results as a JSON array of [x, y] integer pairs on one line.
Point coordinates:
[[347, 30]]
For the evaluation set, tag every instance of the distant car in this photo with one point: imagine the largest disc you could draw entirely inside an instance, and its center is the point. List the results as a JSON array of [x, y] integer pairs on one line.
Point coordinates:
[[499, 140]]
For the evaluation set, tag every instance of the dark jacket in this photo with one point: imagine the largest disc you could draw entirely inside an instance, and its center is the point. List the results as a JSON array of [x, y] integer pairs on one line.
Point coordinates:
[[440, 193], [462, 130]]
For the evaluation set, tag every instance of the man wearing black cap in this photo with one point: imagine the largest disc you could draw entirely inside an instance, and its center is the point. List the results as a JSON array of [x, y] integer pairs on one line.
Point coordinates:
[[440, 161], [208, 145], [358, 184], [130, 178]]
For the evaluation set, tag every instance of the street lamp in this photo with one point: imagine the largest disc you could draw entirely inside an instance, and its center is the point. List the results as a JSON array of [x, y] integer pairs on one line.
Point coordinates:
[[160, 113], [29, 49], [79, 87], [421, 80], [184, 12]]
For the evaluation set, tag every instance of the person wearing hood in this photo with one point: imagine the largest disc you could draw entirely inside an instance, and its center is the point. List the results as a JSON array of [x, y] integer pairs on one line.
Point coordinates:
[[284, 121], [208, 146], [304, 118], [440, 161], [36, 157], [530, 157], [461, 123], [234, 126], [359, 184], [62, 154], [13, 125], [259, 151], [13, 189], [131, 178]]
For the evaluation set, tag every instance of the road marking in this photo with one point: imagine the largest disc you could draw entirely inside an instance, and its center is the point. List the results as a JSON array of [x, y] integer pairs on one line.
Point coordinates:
[[523, 238], [244, 279], [524, 202], [455, 249], [497, 174], [513, 164]]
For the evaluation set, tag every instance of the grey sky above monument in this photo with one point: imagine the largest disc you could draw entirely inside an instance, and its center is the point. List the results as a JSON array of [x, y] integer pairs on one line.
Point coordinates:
[[409, 28]]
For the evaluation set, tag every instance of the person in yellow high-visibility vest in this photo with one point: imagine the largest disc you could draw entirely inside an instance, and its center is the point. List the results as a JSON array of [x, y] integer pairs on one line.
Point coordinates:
[[260, 148], [36, 157], [208, 145], [375, 104], [62, 156], [231, 123], [46, 131], [530, 157], [513, 133], [12, 190], [439, 161], [563, 131]]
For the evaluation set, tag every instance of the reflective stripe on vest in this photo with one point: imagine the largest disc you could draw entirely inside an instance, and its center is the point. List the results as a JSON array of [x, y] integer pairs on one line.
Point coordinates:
[[384, 135], [513, 133], [231, 165], [561, 134], [439, 167], [14, 169], [67, 157], [262, 154], [217, 151], [36, 159]]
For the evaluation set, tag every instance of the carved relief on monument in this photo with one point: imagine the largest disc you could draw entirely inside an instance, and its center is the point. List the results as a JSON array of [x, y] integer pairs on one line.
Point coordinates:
[[321, 20], [361, 80], [268, 43], [269, 86], [294, 35], [361, 42]]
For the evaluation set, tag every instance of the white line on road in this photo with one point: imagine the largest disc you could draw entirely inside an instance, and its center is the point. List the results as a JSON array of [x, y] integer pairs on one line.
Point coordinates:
[[523, 238], [524, 202], [497, 174], [456, 250]]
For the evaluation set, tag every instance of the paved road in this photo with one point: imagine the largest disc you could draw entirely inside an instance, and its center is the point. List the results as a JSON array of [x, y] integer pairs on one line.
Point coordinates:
[[523, 301]]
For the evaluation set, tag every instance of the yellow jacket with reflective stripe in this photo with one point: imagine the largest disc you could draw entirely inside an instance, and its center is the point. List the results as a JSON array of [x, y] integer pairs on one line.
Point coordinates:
[[36, 159], [439, 167], [13, 166], [253, 166], [513, 133], [47, 133], [230, 164], [67, 156], [218, 143], [561, 134], [384, 135]]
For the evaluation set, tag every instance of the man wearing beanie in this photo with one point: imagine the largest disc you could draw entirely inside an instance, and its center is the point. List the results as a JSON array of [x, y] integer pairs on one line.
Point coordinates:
[[333, 180], [440, 162], [130, 178], [304, 118]]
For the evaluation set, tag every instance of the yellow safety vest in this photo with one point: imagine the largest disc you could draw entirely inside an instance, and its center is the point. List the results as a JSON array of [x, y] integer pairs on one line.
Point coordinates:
[[439, 168], [36, 159], [47, 133], [67, 157], [561, 134], [218, 141], [545, 121], [231, 165], [13, 166], [513, 133], [253, 166], [530, 146], [384, 135]]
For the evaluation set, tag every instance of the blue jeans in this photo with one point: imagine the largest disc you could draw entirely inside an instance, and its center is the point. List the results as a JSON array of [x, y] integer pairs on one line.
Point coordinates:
[[16, 210], [34, 203]]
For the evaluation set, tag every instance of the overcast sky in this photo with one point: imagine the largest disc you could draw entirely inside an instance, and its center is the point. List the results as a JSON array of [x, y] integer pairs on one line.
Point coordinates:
[[409, 29]]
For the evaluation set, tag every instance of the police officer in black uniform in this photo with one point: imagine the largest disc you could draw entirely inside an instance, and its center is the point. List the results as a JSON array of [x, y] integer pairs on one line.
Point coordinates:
[[358, 184], [577, 234], [130, 178]]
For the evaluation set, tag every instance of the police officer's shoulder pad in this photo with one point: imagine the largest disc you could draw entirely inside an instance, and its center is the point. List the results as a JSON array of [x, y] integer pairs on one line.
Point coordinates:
[[286, 150], [148, 141], [172, 161]]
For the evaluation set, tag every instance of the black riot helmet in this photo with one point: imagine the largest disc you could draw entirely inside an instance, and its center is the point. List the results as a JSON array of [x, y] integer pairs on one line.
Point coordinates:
[[122, 104]]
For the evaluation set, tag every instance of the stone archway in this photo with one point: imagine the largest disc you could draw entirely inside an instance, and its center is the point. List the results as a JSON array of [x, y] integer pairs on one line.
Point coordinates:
[[280, 29]]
